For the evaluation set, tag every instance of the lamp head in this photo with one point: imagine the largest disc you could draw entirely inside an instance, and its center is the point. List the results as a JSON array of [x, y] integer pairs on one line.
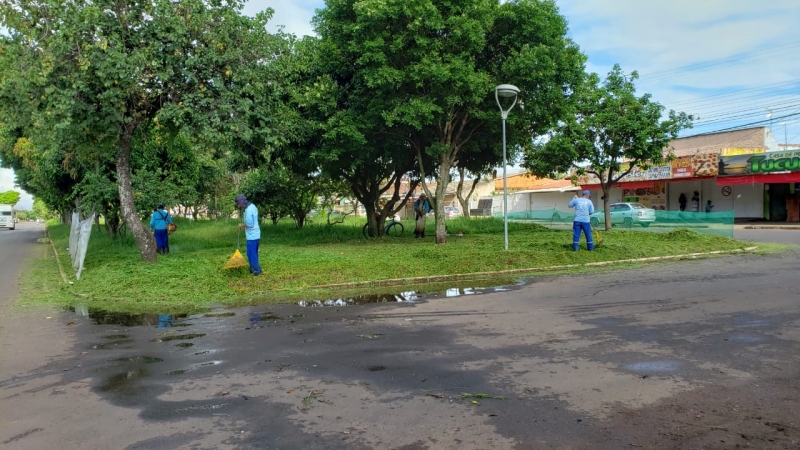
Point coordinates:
[[506, 90]]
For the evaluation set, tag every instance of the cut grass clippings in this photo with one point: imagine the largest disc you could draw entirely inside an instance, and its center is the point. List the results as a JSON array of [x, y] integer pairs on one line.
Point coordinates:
[[311, 262]]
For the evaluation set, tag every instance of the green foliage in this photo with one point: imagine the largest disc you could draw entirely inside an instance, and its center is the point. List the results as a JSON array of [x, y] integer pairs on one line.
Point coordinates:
[[423, 72], [608, 126], [296, 260], [83, 77], [40, 210], [9, 197]]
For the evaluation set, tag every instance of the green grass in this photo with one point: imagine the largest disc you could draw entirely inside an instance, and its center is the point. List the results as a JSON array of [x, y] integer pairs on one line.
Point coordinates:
[[300, 264]]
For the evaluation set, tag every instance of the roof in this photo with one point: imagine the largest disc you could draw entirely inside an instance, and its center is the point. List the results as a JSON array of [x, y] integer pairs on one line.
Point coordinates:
[[527, 181], [715, 142]]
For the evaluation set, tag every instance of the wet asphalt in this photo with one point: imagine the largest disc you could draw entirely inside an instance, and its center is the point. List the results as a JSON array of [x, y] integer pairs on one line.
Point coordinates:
[[544, 364]]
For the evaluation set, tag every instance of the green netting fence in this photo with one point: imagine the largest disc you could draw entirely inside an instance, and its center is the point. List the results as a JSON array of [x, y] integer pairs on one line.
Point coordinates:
[[717, 223]]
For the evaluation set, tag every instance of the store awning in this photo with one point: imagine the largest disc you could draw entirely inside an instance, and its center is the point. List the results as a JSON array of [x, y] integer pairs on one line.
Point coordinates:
[[628, 185], [772, 178], [681, 180]]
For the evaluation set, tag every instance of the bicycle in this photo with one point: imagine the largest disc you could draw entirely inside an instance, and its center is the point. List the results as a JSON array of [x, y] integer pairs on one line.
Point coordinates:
[[393, 228]]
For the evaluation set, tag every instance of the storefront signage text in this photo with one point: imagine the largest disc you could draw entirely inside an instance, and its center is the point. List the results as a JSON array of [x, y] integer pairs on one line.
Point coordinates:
[[760, 163]]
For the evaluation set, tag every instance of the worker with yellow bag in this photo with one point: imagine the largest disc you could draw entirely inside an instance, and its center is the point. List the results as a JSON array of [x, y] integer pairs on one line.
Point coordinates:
[[252, 232]]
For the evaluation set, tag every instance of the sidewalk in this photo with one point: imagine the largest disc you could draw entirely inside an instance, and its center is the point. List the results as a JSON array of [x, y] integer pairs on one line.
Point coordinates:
[[765, 225]]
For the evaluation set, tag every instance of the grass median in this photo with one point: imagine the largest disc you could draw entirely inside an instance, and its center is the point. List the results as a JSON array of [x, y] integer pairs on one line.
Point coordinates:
[[320, 261]]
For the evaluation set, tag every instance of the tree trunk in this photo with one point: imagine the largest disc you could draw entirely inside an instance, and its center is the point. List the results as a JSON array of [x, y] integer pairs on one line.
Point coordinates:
[[144, 240], [463, 200], [441, 191], [606, 202]]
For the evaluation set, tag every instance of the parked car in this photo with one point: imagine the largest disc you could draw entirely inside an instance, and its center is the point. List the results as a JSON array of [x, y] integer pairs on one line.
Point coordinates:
[[626, 214], [451, 212]]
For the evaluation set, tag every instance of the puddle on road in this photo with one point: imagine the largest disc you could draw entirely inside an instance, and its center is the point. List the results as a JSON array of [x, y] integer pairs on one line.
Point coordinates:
[[102, 317], [425, 292], [754, 323], [179, 337], [409, 296], [194, 367], [140, 359], [123, 382], [653, 366], [746, 338], [116, 336]]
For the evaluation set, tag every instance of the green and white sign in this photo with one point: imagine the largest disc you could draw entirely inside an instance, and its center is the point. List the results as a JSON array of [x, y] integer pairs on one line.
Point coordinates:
[[760, 163]]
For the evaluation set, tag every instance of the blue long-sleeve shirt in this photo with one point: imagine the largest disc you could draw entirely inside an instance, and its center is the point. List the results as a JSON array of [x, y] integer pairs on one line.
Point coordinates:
[[159, 220], [583, 209], [424, 204], [252, 231]]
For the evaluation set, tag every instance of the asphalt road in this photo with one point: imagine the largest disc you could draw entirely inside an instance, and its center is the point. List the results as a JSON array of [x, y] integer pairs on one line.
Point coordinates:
[[15, 247], [696, 354]]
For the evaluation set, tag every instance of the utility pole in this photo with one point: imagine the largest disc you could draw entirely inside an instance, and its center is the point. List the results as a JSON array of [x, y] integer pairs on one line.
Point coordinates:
[[785, 140]]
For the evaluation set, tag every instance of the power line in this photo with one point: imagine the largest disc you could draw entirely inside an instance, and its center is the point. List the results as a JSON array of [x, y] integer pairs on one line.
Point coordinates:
[[741, 115], [767, 99], [707, 65], [753, 90], [758, 108], [747, 125]]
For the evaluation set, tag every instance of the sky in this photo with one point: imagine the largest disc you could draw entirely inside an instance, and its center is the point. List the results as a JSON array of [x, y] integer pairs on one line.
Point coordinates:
[[728, 62]]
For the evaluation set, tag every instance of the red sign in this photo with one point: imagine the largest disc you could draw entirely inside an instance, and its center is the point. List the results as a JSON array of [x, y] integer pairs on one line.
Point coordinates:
[[682, 167]]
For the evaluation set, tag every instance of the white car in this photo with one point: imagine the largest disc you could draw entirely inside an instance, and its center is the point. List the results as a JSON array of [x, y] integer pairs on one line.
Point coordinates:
[[626, 214], [451, 212]]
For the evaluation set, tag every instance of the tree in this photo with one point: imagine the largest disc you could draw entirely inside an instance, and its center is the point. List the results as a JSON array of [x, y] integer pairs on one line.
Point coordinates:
[[426, 70], [40, 210], [9, 197], [609, 127], [88, 75]]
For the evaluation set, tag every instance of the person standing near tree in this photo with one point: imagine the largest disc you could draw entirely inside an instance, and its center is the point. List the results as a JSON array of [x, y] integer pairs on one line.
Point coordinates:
[[158, 224], [252, 232], [421, 208], [583, 210]]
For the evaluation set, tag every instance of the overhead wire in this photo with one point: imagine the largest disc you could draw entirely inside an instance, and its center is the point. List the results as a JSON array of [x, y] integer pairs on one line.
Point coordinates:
[[707, 65]]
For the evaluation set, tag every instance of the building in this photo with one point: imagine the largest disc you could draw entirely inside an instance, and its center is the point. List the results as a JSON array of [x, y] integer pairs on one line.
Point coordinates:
[[745, 171], [527, 192]]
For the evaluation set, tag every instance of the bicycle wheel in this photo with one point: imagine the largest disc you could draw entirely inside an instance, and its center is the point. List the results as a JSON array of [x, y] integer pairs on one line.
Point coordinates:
[[365, 230], [394, 229]]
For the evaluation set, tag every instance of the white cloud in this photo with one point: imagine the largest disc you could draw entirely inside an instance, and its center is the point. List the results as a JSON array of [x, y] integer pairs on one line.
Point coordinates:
[[687, 51], [755, 41]]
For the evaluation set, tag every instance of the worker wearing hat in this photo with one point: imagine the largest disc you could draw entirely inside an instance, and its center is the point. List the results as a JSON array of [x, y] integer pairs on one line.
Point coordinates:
[[421, 208], [159, 223], [252, 232], [583, 211]]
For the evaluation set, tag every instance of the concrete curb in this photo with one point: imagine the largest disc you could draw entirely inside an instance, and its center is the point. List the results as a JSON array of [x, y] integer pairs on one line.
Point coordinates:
[[770, 227], [58, 260], [456, 277]]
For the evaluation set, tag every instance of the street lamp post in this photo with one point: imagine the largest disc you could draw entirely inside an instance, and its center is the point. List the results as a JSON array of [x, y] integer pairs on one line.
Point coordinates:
[[505, 91]]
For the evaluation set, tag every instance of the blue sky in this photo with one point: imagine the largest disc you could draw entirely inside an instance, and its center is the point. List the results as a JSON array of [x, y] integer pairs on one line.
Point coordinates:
[[727, 61]]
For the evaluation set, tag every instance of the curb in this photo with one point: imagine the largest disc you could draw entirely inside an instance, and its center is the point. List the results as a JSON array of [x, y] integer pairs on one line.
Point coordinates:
[[456, 277], [770, 227], [58, 259]]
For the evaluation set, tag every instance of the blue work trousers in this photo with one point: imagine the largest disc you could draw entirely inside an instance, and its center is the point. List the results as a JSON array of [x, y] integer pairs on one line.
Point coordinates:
[[252, 256], [586, 227], [162, 238]]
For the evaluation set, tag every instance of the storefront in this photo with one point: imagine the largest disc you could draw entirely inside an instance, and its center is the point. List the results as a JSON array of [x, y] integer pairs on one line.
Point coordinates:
[[742, 171]]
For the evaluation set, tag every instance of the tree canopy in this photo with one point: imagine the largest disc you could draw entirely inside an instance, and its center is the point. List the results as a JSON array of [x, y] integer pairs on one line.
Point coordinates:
[[9, 198], [86, 76], [609, 126], [424, 72]]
